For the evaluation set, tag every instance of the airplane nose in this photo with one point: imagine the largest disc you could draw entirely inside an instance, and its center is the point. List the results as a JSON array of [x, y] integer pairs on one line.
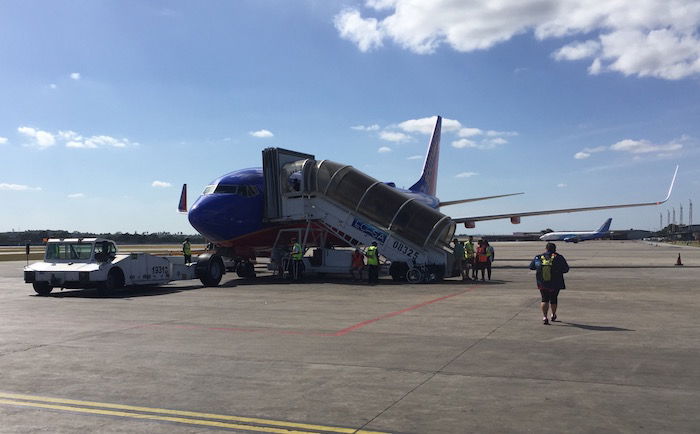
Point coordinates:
[[202, 217]]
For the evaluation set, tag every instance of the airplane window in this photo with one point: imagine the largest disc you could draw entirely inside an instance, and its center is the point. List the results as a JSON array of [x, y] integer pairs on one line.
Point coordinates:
[[252, 191], [209, 189], [241, 190], [227, 189]]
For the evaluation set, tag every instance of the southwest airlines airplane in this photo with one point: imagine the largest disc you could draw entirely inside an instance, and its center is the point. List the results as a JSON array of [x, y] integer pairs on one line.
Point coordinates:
[[229, 213], [576, 236]]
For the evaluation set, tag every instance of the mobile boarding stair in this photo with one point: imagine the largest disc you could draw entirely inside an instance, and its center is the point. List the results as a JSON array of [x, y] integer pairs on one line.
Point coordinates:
[[358, 210]]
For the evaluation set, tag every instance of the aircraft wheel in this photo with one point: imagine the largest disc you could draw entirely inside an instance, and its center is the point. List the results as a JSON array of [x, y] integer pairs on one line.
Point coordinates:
[[42, 288], [414, 275], [210, 269]]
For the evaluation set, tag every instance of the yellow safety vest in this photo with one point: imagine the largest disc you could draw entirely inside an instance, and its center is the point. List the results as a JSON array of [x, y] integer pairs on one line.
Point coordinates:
[[297, 253], [372, 255], [186, 248], [468, 250]]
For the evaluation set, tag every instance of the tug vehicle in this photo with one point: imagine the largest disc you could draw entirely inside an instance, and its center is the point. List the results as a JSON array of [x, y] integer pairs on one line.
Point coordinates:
[[79, 263]]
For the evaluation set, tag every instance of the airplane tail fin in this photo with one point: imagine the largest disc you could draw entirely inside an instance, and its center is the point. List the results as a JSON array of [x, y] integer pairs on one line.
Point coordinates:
[[428, 181], [182, 206], [606, 226]]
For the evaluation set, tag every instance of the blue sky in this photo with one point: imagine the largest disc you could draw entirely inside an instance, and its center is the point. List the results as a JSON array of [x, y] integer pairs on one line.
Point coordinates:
[[109, 106]]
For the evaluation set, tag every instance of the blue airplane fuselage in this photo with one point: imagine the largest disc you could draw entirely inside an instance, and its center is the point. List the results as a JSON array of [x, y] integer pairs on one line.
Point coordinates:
[[230, 211]]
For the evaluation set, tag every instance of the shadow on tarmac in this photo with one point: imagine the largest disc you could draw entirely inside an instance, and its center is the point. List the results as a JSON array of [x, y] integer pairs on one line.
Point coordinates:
[[128, 292], [326, 280], [595, 328], [151, 291]]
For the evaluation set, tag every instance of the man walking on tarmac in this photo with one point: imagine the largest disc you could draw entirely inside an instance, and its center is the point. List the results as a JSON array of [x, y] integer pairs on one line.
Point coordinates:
[[187, 251], [373, 263], [550, 267]]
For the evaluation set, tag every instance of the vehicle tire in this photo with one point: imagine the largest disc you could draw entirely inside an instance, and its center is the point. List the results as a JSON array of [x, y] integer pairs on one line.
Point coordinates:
[[115, 280], [42, 288], [245, 269], [437, 272], [210, 269], [414, 275], [398, 271]]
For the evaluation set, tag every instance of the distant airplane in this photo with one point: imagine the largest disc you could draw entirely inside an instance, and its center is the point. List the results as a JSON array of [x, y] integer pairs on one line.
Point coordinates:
[[576, 236], [230, 211]]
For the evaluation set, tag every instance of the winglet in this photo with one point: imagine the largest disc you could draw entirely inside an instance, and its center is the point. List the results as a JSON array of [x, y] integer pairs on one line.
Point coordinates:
[[182, 206], [428, 181], [670, 189]]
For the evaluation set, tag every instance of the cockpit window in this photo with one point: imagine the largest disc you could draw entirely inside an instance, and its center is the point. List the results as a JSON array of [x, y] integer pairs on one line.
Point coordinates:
[[241, 190]]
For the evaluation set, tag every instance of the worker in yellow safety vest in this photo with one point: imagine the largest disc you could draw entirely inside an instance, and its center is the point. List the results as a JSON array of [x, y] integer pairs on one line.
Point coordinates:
[[373, 263], [297, 254], [469, 257], [187, 251]]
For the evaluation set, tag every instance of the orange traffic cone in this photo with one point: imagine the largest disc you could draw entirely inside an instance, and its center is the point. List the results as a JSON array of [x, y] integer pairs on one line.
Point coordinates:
[[678, 261]]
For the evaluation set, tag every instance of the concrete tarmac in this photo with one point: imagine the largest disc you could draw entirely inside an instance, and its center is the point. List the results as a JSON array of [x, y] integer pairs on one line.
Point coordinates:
[[335, 356]]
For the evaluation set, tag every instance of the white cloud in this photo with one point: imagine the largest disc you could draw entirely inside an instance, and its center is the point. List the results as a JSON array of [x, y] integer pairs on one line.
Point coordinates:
[[45, 139], [161, 184], [416, 157], [3, 140], [384, 149], [93, 142], [464, 143], [53, 86], [643, 38], [41, 139], [76, 195], [393, 136], [261, 133], [466, 175], [644, 146], [426, 125], [373, 127], [17, 187], [492, 133], [364, 32], [586, 152], [577, 50], [495, 141], [469, 132], [486, 143], [561, 185], [75, 76]]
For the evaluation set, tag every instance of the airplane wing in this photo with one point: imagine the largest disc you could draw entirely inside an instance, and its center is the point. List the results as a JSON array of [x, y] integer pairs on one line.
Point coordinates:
[[455, 202], [469, 222]]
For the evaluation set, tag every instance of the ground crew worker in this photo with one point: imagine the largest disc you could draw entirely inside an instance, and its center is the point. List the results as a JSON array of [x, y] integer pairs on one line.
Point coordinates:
[[469, 255], [372, 263], [297, 264], [480, 261], [187, 251], [490, 257], [357, 263], [550, 268], [459, 257]]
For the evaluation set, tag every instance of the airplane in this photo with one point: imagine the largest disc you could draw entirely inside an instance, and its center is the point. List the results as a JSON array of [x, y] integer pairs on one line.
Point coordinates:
[[576, 236], [229, 212]]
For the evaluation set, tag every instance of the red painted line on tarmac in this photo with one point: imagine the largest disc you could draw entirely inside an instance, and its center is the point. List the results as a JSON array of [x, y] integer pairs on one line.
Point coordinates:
[[359, 325], [342, 332]]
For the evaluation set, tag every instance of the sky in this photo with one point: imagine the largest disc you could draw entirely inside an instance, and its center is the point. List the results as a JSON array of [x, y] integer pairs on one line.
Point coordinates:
[[108, 107]]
